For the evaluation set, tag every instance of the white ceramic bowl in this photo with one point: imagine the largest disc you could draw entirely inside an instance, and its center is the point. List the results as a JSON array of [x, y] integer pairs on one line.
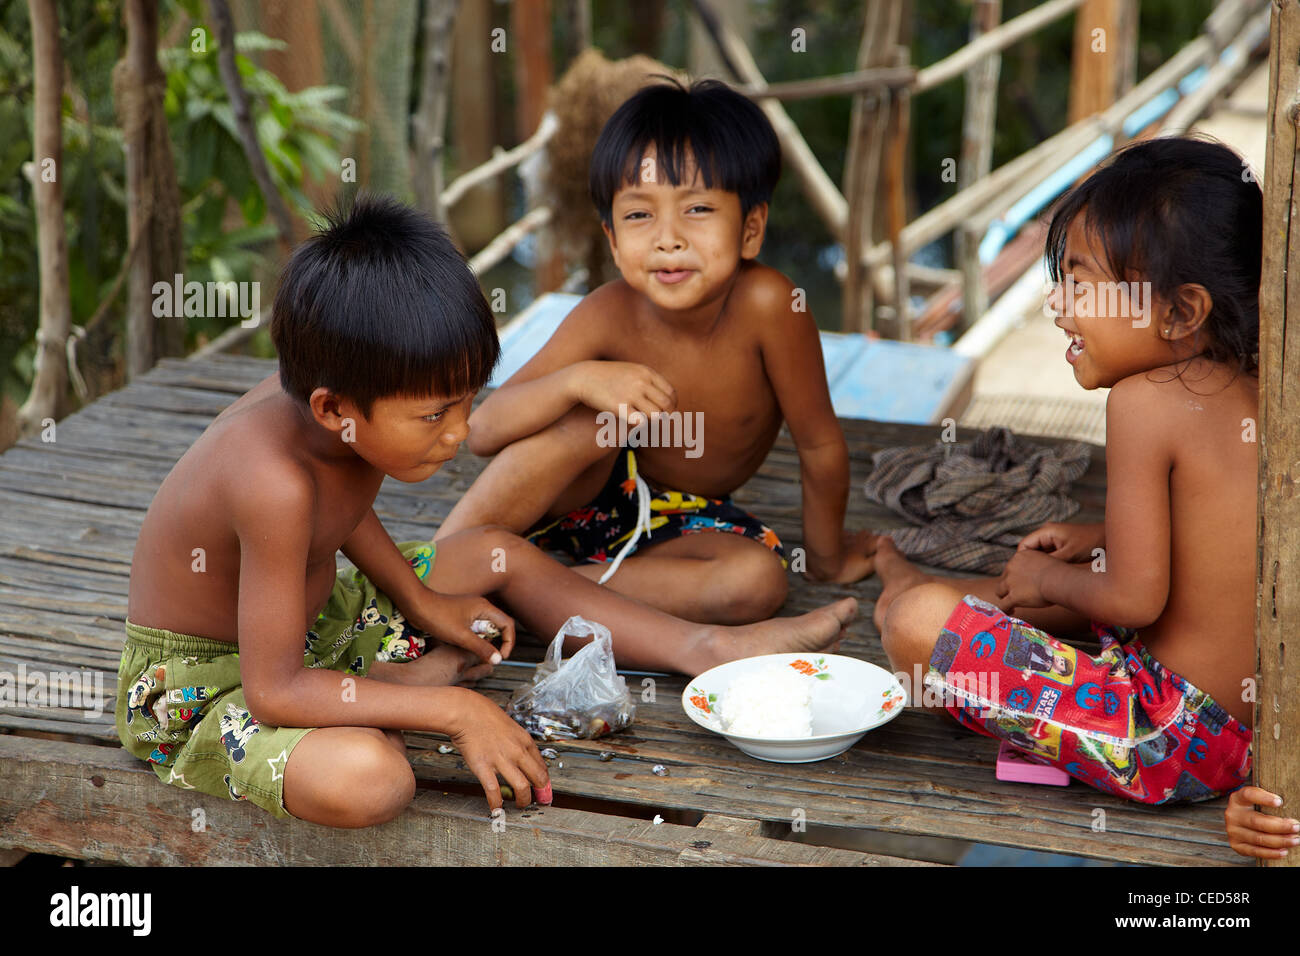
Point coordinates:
[[849, 697]]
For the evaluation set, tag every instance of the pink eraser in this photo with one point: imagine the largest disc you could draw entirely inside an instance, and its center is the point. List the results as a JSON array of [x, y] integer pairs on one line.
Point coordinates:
[[1020, 767], [542, 794]]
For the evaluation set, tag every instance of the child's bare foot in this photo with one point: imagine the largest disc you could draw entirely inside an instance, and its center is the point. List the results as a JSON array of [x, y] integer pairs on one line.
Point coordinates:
[[819, 630], [897, 574], [443, 666]]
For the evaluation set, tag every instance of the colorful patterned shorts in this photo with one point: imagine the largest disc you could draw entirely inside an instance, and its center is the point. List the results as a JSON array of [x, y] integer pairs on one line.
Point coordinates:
[[180, 699], [1120, 722], [597, 532]]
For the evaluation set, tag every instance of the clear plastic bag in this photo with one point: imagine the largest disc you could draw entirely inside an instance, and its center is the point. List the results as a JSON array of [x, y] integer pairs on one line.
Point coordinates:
[[581, 697]]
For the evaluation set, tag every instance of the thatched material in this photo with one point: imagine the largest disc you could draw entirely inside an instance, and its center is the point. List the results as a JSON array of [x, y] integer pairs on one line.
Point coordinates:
[[584, 98]]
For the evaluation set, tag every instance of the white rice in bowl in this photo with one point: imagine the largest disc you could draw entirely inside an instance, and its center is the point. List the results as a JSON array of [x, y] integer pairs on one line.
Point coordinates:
[[774, 702]]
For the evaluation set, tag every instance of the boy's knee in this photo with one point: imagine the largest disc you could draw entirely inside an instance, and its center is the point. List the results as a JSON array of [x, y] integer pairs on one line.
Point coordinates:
[[914, 619], [752, 587], [378, 783]]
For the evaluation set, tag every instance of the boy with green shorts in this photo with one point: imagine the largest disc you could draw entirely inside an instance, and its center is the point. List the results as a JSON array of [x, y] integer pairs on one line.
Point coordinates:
[[252, 669]]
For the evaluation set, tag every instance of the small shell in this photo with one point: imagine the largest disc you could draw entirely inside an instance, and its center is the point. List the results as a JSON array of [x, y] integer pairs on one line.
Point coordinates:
[[485, 629], [446, 749], [659, 770], [550, 753], [606, 756]]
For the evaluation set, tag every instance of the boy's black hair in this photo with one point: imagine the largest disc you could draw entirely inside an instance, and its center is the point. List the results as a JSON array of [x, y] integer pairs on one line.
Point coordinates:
[[732, 142], [1173, 211], [379, 303]]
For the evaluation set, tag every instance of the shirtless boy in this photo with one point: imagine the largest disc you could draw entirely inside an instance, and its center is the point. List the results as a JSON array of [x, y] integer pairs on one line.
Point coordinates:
[[695, 328], [251, 670]]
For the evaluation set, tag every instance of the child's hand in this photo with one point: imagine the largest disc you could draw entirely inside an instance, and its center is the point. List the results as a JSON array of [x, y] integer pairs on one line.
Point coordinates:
[[491, 744], [643, 392], [1067, 542], [857, 558], [448, 618], [1020, 584], [1252, 833]]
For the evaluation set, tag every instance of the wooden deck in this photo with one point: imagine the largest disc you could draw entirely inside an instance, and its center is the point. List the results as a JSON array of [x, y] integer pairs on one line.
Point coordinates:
[[72, 508]]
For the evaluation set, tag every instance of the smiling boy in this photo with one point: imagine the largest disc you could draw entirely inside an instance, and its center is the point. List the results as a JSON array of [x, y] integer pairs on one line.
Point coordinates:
[[697, 327]]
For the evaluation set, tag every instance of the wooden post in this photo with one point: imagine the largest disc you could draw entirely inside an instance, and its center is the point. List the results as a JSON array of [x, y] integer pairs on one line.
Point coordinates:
[[1277, 707], [431, 115], [976, 158], [50, 381], [153, 198], [900, 116], [530, 32], [481, 214], [868, 125], [1102, 28]]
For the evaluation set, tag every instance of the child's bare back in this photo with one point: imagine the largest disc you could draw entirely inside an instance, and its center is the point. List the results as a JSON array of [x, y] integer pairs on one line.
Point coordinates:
[[1199, 435], [189, 548]]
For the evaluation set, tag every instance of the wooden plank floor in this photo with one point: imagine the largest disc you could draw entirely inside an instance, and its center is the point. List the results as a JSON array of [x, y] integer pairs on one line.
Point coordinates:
[[72, 508]]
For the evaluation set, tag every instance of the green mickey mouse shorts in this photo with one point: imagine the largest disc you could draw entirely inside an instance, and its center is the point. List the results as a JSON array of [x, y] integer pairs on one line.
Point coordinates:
[[180, 700]]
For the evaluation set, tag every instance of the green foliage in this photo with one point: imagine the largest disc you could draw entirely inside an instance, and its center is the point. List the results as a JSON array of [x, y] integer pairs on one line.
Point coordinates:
[[225, 222]]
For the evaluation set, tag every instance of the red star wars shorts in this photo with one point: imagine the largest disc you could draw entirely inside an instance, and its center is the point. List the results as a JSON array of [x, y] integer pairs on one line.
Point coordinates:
[[1120, 722]]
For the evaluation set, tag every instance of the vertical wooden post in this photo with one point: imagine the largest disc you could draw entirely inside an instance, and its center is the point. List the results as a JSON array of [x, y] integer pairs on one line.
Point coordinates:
[[50, 382], [977, 155], [530, 29], [900, 122], [1102, 28], [1277, 707], [868, 123], [431, 114], [153, 197], [480, 213]]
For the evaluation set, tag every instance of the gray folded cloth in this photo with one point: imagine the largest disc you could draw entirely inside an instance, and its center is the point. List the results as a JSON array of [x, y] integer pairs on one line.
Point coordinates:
[[973, 501]]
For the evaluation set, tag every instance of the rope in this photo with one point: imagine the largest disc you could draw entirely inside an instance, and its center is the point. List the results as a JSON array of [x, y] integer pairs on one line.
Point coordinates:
[[642, 522]]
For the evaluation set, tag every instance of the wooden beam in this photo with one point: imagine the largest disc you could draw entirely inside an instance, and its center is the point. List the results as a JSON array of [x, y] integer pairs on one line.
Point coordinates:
[[93, 802], [1277, 707]]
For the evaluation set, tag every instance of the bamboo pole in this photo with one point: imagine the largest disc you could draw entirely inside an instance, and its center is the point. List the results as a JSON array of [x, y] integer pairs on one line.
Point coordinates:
[[866, 80], [500, 247], [501, 161], [50, 381], [1277, 706], [817, 186], [991, 42]]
